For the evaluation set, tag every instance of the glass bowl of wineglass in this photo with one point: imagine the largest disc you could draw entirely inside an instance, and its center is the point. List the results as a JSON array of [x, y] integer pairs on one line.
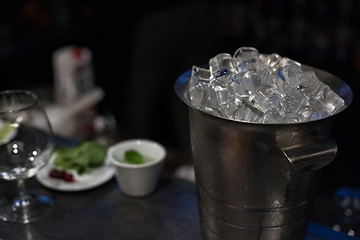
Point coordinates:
[[26, 145]]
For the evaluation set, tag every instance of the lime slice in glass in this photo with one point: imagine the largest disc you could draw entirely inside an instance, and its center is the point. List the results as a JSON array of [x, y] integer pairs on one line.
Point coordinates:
[[7, 132]]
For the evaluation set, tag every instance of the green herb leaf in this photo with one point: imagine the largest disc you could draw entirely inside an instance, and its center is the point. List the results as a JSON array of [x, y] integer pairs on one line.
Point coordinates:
[[81, 158], [134, 157]]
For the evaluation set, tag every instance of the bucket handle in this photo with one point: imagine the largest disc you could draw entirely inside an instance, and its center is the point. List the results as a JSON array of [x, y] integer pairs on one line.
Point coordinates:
[[311, 156]]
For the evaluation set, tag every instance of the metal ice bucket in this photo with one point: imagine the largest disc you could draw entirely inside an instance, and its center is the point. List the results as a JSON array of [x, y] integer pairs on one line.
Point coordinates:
[[258, 181]]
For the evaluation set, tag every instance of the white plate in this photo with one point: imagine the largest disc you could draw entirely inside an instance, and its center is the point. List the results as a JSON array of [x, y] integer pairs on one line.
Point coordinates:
[[95, 178]]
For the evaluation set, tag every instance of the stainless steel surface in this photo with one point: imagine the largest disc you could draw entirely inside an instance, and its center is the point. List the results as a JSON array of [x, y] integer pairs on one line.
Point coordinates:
[[258, 181], [311, 156]]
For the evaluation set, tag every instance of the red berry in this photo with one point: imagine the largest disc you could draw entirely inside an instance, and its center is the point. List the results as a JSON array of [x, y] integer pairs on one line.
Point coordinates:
[[62, 174], [68, 178], [54, 173]]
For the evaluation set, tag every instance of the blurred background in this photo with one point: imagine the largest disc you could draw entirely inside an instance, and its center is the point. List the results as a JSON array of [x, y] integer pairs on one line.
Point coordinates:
[[139, 50]]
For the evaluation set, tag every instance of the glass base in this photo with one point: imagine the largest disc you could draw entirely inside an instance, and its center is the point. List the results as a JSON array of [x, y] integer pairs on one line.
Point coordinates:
[[25, 208]]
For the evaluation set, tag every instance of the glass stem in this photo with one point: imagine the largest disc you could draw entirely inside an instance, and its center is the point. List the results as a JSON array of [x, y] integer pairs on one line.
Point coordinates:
[[22, 202], [21, 187]]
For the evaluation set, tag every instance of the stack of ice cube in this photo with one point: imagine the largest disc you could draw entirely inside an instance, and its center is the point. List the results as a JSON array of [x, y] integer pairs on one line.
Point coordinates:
[[260, 88]]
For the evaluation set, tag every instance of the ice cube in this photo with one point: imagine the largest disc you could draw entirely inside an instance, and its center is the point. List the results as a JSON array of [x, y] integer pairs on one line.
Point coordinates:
[[317, 91], [279, 80], [198, 82], [245, 112], [246, 53], [250, 80], [246, 58], [251, 114], [221, 94], [287, 61], [272, 116], [241, 86], [327, 99], [229, 110], [291, 102], [223, 81], [221, 65], [271, 61], [292, 74], [309, 85], [333, 103], [195, 94], [264, 98], [210, 97], [200, 74], [307, 113]]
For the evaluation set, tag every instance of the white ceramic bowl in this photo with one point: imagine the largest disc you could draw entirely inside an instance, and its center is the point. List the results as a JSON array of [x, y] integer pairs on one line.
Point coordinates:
[[137, 179]]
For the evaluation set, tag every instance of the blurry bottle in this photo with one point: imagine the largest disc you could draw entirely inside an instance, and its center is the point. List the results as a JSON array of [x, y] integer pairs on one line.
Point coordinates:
[[75, 94]]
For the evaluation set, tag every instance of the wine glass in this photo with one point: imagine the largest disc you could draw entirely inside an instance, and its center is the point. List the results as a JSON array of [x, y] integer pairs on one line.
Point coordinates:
[[26, 145]]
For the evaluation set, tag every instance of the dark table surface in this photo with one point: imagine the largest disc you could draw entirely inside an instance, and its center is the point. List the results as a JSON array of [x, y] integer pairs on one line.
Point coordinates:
[[105, 213]]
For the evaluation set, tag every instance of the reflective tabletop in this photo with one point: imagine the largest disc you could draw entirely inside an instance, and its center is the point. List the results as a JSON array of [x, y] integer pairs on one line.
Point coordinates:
[[105, 212]]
